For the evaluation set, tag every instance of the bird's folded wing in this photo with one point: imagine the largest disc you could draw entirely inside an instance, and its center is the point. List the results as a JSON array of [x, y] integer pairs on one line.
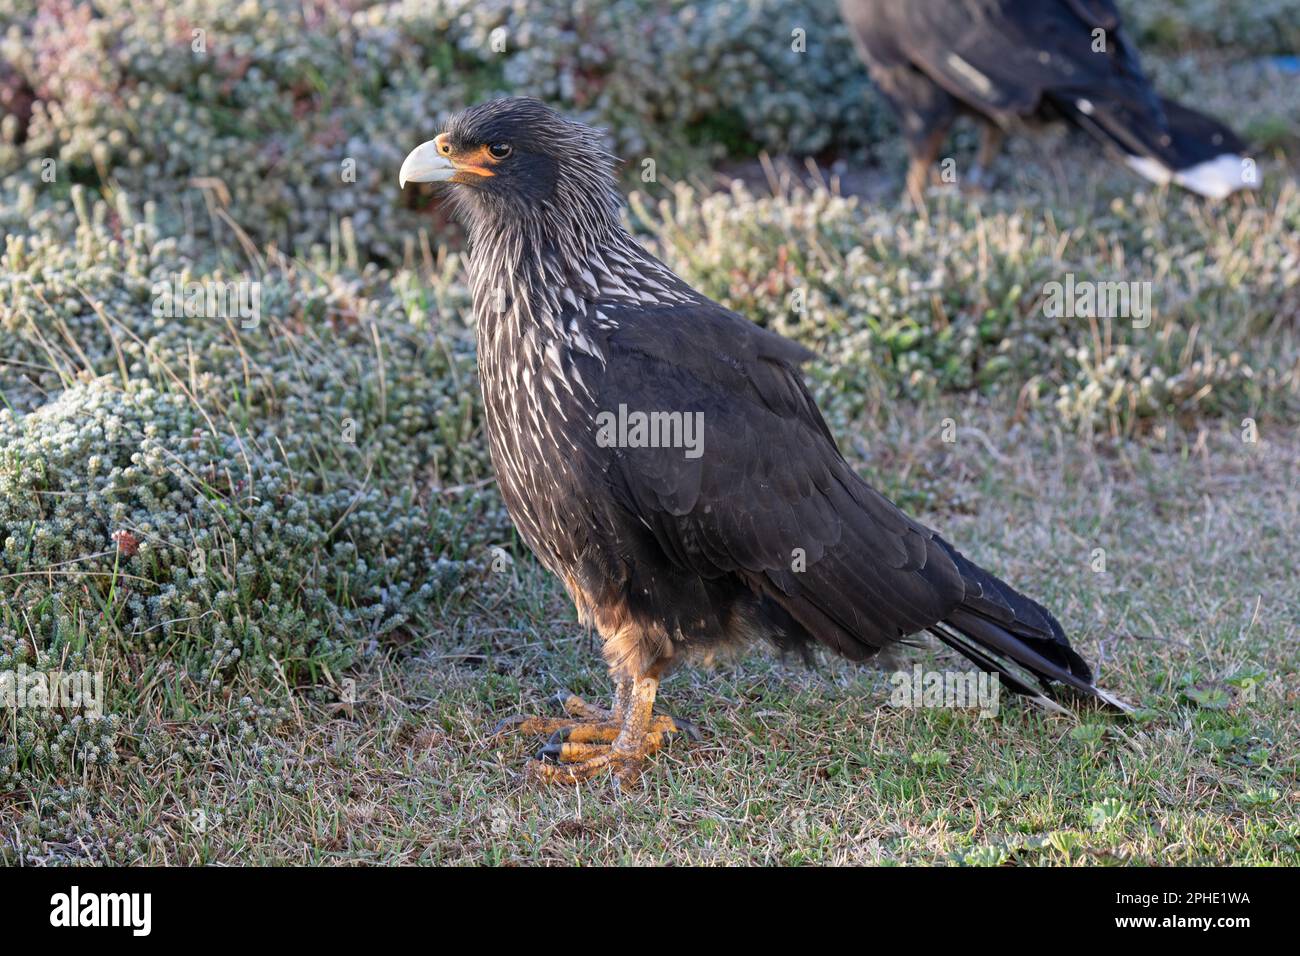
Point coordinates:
[[765, 495], [1007, 56]]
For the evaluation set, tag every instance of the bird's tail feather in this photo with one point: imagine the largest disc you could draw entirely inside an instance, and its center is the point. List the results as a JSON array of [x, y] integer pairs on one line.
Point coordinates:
[[1211, 158], [994, 648], [1167, 142], [1016, 679]]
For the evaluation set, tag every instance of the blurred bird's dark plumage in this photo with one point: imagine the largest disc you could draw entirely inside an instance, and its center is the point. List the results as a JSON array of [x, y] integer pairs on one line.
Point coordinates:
[[1007, 61], [762, 531]]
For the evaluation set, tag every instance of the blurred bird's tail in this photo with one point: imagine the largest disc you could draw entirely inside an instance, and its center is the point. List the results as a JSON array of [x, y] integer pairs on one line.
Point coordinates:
[[1002, 631], [1170, 142]]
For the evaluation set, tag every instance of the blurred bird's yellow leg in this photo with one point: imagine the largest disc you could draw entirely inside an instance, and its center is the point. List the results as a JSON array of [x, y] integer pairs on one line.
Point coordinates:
[[980, 176]]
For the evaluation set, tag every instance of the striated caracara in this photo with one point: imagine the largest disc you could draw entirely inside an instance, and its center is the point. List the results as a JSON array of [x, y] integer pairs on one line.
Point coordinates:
[[1004, 61], [731, 516]]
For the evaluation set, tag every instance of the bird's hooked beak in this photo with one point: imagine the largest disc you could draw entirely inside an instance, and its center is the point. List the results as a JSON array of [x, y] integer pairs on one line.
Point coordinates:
[[427, 163], [432, 162]]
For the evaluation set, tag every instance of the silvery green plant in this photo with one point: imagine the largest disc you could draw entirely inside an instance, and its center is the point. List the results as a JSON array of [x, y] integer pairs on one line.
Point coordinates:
[[174, 495], [958, 305], [253, 112]]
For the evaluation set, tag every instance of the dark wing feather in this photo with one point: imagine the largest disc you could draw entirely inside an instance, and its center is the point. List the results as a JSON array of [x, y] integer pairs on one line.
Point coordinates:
[[769, 481], [1021, 51], [1014, 57]]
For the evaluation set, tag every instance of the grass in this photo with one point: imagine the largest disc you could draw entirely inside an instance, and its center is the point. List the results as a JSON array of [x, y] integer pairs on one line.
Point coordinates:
[[799, 765]]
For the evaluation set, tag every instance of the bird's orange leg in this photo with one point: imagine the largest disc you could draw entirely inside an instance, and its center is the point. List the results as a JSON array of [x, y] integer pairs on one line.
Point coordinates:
[[991, 137], [921, 171], [594, 740]]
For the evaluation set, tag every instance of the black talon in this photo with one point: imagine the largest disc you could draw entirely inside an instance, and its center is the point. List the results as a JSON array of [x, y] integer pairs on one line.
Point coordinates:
[[690, 729], [513, 721], [561, 697], [550, 752], [560, 736]]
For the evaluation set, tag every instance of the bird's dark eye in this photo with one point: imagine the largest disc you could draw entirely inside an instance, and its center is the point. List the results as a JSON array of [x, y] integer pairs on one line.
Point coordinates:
[[499, 150]]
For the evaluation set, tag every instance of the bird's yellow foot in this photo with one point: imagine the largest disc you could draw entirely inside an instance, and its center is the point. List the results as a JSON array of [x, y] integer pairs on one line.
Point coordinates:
[[592, 740], [584, 750]]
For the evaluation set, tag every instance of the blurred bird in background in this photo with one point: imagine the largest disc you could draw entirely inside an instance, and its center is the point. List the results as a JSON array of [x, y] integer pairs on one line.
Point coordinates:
[[753, 526], [1009, 61]]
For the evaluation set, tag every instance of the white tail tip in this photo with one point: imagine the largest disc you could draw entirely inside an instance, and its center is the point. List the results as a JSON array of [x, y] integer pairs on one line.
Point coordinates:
[[1215, 178]]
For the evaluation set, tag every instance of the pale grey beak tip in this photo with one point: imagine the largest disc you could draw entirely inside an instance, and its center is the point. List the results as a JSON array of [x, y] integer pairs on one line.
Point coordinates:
[[425, 164]]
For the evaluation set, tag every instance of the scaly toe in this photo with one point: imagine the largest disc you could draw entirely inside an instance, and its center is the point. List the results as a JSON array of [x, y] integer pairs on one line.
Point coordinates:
[[575, 706], [597, 732], [519, 724], [571, 753], [544, 771]]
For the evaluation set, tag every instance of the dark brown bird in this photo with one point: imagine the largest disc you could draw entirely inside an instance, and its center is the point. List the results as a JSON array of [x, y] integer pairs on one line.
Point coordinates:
[[1008, 61], [662, 456]]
